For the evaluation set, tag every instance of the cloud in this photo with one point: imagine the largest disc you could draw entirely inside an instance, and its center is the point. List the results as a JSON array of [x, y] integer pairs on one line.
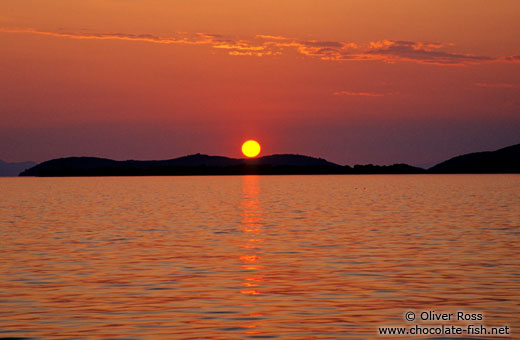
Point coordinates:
[[389, 51], [235, 47], [496, 85], [358, 94], [427, 53], [513, 58], [104, 36], [322, 44]]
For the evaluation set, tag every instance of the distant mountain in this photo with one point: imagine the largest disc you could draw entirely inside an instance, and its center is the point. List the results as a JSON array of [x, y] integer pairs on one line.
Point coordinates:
[[506, 160], [14, 169]]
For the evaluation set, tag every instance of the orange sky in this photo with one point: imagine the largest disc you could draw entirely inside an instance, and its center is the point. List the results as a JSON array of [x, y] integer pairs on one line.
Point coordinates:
[[350, 81]]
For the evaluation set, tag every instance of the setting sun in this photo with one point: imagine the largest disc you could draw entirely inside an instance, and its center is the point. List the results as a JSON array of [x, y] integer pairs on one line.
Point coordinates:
[[251, 148]]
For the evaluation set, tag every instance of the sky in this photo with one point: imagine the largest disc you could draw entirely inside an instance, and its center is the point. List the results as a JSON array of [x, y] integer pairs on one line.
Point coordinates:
[[351, 81]]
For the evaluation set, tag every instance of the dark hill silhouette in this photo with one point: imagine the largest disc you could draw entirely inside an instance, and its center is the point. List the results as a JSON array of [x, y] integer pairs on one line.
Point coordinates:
[[387, 169], [506, 160], [292, 160], [14, 169], [188, 165], [205, 165], [197, 160]]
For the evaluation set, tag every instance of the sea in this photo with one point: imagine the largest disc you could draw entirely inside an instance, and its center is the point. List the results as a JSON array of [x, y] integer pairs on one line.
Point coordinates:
[[260, 257]]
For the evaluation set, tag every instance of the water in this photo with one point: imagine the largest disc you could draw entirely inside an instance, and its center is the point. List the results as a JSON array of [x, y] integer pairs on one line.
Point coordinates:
[[281, 257]]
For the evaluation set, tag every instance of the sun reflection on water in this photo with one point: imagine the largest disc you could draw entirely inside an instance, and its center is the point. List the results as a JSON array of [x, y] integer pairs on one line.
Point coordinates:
[[252, 241]]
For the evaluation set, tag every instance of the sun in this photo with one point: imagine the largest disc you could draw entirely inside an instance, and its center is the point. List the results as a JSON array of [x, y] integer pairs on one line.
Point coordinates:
[[251, 148]]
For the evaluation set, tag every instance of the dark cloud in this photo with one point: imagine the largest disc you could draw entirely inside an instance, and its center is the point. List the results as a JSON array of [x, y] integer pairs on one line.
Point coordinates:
[[495, 85], [424, 53], [322, 43], [514, 58], [358, 94]]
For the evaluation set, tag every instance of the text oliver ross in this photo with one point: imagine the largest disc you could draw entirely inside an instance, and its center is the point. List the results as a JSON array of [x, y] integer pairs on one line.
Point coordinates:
[[461, 316]]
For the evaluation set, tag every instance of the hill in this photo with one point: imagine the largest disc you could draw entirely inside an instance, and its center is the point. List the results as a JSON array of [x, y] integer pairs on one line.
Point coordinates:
[[188, 165], [14, 169], [506, 160]]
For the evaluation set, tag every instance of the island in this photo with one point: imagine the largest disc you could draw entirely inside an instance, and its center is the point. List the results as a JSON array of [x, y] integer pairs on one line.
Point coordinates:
[[506, 160]]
